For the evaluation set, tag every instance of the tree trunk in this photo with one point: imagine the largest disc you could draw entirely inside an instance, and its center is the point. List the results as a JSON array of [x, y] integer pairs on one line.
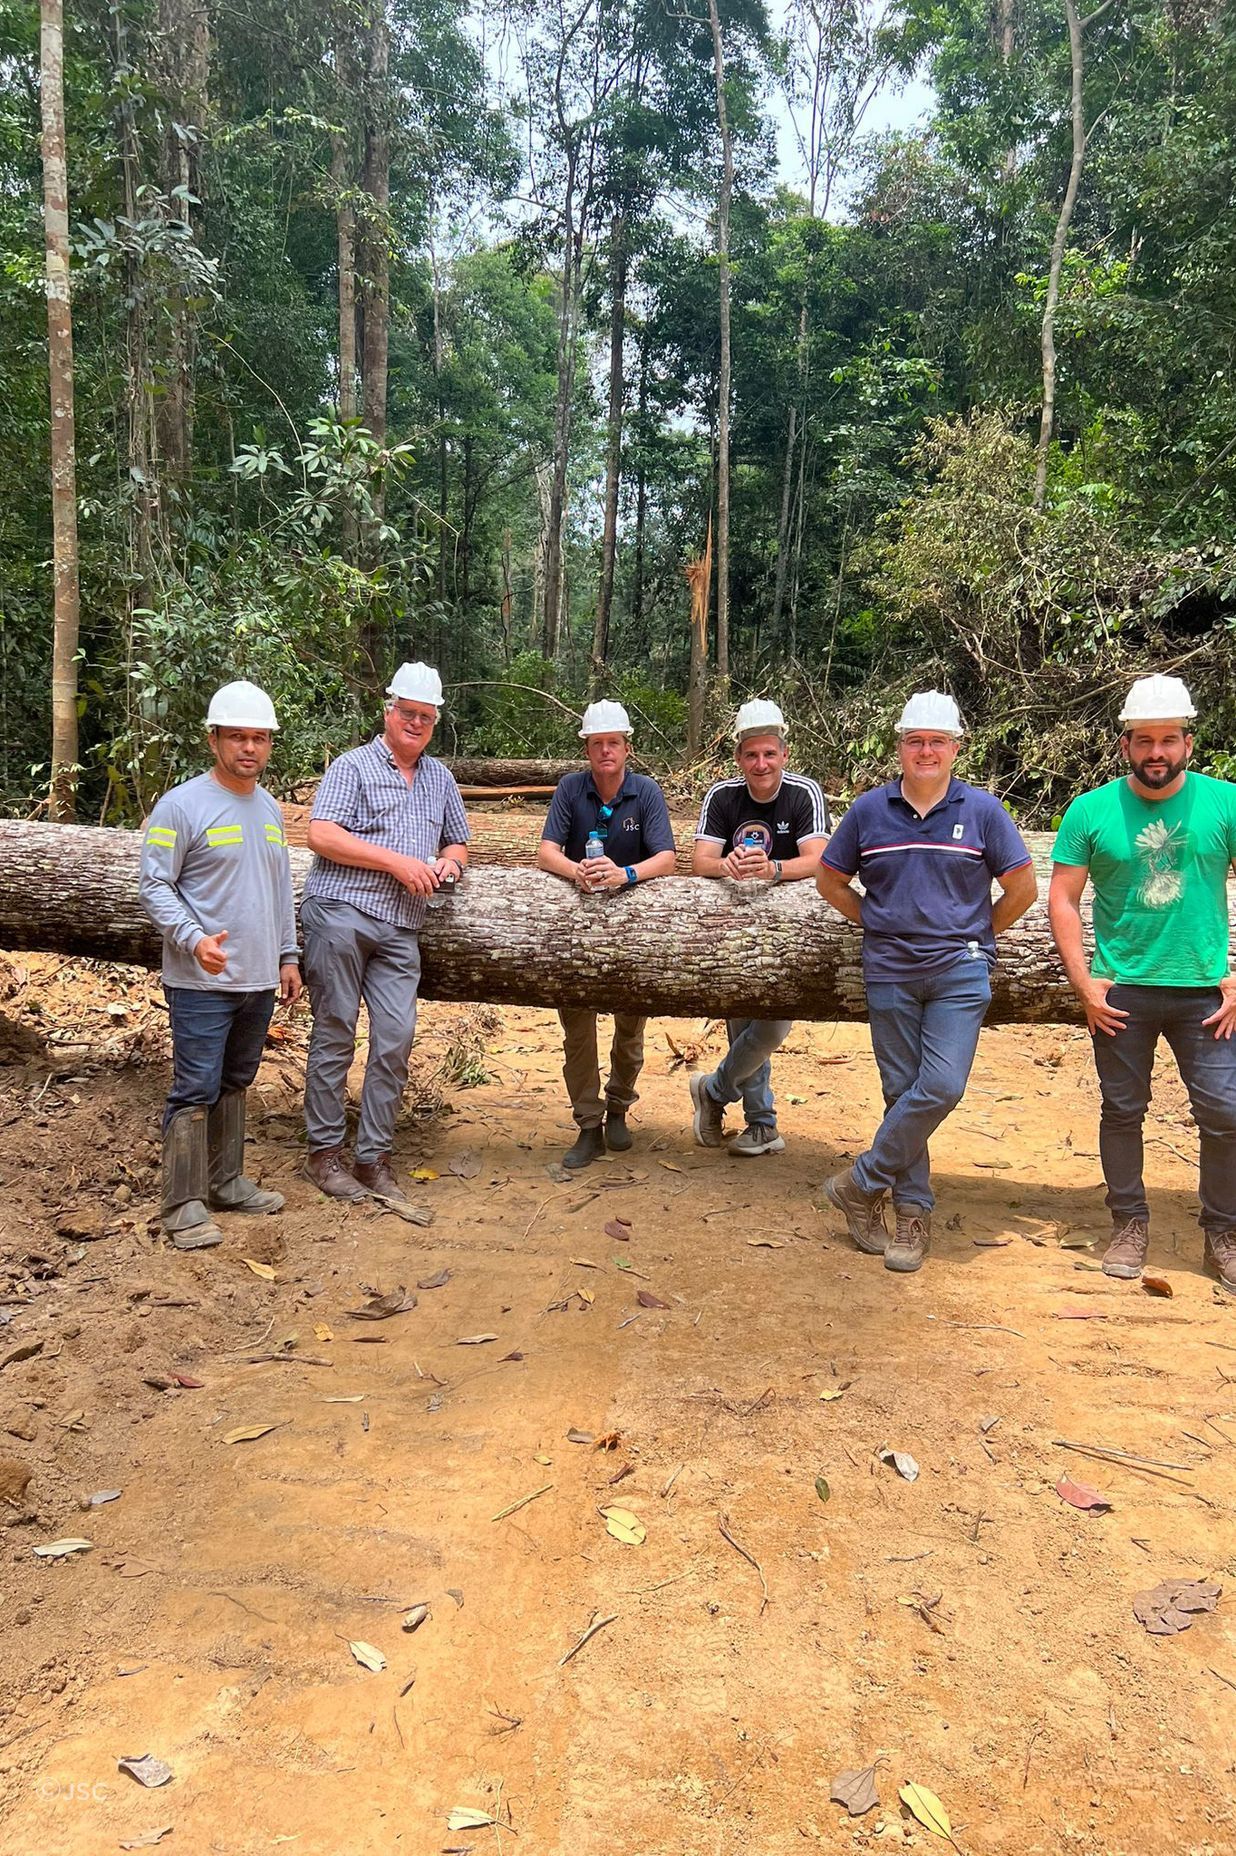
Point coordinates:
[[375, 295], [699, 579], [62, 800], [680, 946], [181, 48], [723, 410], [507, 609], [555, 513], [1048, 341], [613, 450], [345, 238], [477, 772], [641, 504]]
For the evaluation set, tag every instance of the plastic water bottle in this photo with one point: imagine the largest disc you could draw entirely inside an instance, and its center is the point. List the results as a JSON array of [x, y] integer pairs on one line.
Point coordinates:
[[595, 846]]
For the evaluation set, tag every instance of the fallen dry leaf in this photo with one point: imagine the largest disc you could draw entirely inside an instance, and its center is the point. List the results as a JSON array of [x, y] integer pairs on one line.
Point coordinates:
[[579, 1437], [1170, 1607], [586, 1296], [647, 1299], [584, 1263], [822, 1489], [349, 1398], [104, 1495], [834, 1392], [1157, 1285], [60, 1549], [438, 1280], [1080, 1495], [901, 1461], [415, 1617], [462, 1817], [422, 1173], [188, 1382], [766, 1243], [855, 1789], [368, 1657], [260, 1269], [380, 1307], [147, 1840], [927, 1809], [619, 1229], [145, 1768], [625, 1526], [474, 1340], [248, 1433]]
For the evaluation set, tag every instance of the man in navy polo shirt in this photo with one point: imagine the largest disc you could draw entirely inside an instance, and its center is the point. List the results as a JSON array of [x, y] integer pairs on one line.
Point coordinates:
[[626, 816], [926, 847]]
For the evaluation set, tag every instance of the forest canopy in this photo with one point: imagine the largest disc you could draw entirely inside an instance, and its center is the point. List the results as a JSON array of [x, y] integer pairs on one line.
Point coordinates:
[[402, 329]]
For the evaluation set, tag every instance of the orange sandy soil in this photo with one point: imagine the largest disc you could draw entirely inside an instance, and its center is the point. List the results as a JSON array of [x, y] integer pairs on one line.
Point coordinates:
[[210, 1622]]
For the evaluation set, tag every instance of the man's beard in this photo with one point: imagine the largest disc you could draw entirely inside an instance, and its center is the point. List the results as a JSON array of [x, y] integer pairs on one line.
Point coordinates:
[[1159, 776]]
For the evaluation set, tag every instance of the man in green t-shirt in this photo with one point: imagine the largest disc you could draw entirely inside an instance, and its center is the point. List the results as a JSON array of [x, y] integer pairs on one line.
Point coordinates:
[[1157, 846]]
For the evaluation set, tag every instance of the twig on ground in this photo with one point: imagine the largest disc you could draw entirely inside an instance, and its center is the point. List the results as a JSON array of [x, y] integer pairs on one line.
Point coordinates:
[[521, 1503], [1122, 1456], [536, 1214], [1035, 1731], [977, 1327], [1221, 1677], [722, 1523], [596, 1625], [672, 1480]]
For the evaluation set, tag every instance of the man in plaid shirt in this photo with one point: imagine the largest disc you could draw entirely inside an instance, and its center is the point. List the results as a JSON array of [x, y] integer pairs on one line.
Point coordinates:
[[388, 829]]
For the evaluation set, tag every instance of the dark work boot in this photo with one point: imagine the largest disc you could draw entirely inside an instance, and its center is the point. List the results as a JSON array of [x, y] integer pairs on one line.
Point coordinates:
[[186, 1183], [1125, 1256], [589, 1147], [376, 1177], [230, 1191], [863, 1211], [326, 1169], [617, 1133], [1220, 1258]]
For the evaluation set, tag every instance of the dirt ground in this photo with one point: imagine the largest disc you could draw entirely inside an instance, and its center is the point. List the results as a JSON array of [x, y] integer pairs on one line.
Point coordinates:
[[968, 1631]]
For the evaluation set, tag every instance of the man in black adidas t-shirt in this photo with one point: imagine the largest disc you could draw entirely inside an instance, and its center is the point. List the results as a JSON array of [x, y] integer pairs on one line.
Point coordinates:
[[765, 826]]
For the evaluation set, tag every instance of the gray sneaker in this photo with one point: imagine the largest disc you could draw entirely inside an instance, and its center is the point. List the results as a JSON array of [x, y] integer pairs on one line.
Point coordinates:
[[911, 1240], [1125, 1256], [709, 1119], [863, 1211], [757, 1138]]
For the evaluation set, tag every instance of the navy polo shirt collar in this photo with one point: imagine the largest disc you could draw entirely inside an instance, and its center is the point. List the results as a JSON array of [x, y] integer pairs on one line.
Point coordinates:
[[625, 791], [954, 796]]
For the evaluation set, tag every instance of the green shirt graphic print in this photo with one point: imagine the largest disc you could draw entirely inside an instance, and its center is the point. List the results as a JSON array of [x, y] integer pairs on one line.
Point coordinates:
[[1159, 870]]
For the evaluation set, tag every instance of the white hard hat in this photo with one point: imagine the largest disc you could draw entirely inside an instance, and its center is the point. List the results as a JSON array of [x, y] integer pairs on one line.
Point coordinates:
[[932, 710], [758, 717], [1158, 699], [416, 683], [604, 718], [241, 705]]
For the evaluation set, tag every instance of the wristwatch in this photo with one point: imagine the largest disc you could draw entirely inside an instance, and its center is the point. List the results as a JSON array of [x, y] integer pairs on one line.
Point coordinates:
[[631, 877], [777, 871]]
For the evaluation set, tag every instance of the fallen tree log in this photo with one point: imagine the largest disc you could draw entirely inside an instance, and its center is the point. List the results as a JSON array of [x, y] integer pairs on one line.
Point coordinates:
[[679, 947], [471, 770]]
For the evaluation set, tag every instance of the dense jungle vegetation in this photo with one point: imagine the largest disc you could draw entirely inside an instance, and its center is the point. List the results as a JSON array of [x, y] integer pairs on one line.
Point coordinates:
[[407, 329]]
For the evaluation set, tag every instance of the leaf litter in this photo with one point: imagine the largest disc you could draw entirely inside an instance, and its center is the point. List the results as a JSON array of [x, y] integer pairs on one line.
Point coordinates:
[[380, 1305], [145, 1768], [927, 1808], [1081, 1495], [367, 1656], [1170, 1607], [901, 1461], [855, 1789]]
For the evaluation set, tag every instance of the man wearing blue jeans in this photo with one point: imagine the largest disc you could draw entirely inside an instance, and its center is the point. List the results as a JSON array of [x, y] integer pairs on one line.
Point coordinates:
[[927, 847], [216, 881], [766, 826], [1157, 845]]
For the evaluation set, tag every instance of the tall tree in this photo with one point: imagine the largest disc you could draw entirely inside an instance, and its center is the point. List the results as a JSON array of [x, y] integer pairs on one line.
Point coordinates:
[[66, 595], [724, 197]]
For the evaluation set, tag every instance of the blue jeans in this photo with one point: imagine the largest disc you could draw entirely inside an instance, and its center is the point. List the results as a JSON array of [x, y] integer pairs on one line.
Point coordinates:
[[1208, 1069], [217, 1040], [746, 1070], [924, 1032]]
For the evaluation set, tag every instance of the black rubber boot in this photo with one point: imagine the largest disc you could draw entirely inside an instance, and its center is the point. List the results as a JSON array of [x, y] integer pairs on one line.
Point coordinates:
[[186, 1173], [589, 1147], [230, 1191], [617, 1133]]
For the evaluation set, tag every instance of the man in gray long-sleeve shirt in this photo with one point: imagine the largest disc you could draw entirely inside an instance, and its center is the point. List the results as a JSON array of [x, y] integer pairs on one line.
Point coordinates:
[[216, 882]]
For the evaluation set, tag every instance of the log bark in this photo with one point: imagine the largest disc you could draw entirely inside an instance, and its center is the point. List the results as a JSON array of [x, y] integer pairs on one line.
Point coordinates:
[[678, 947], [475, 772]]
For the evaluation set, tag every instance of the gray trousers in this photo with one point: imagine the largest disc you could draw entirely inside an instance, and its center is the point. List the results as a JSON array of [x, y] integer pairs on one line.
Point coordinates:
[[350, 957], [581, 1070]]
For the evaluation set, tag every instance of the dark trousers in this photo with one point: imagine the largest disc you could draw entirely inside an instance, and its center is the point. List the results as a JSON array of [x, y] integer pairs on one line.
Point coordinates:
[[1208, 1069], [217, 1040]]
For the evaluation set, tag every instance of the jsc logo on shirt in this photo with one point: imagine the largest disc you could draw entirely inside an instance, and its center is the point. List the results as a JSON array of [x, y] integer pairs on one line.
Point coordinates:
[[959, 832]]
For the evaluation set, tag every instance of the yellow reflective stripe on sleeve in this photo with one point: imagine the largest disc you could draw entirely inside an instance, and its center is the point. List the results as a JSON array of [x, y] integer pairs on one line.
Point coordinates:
[[274, 835], [224, 834], [161, 835]]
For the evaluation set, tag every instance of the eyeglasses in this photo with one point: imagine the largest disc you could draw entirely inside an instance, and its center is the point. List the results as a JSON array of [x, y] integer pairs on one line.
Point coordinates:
[[604, 815], [417, 720]]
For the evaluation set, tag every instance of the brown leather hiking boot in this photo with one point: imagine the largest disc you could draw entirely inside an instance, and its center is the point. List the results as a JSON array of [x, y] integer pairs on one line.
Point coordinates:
[[1125, 1256], [1220, 1258], [911, 1240], [376, 1177], [329, 1174], [864, 1213]]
